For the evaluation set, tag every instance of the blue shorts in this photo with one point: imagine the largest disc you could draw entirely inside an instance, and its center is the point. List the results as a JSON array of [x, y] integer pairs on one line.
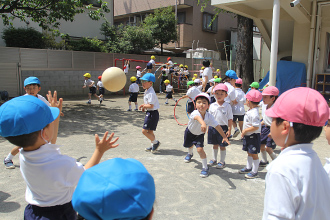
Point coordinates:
[[251, 143], [138, 80], [133, 97], [264, 139], [190, 139], [169, 95], [151, 120], [191, 107], [149, 66], [58, 212], [101, 91], [239, 117], [214, 136], [92, 90]]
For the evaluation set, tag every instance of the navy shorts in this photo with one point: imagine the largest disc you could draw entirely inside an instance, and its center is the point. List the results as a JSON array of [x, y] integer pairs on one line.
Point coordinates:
[[133, 97], [264, 139], [138, 80], [58, 212], [251, 143], [239, 117], [213, 99], [207, 86], [169, 95], [190, 139], [149, 66], [214, 136], [92, 90], [151, 120], [191, 107], [101, 91]]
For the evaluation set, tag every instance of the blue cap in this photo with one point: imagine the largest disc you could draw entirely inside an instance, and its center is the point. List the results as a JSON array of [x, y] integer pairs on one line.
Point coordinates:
[[31, 80], [231, 74], [24, 115], [148, 77], [115, 189]]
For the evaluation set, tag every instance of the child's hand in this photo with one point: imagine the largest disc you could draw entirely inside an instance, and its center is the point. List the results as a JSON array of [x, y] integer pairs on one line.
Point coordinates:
[[52, 99], [226, 140], [228, 133], [105, 144], [141, 107], [84, 87], [203, 127]]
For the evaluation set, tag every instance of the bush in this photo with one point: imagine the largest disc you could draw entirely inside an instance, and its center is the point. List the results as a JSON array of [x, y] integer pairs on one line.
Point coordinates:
[[86, 44], [23, 37]]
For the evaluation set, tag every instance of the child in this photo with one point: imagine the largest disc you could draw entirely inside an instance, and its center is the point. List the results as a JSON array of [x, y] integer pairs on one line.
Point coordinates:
[[198, 84], [191, 93], [100, 88], [152, 61], [222, 113], [131, 194], [269, 96], [210, 91], [297, 186], [197, 126], [151, 105], [134, 90], [50, 176], [201, 71], [169, 91], [138, 74], [126, 66], [229, 81], [31, 87], [251, 134], [207, 75], [164, 76], [92, 88], [238, 109], [217, 73], [186, 72]]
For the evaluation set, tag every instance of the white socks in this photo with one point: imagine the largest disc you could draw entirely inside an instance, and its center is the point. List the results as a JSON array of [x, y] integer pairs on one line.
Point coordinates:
[[190, 151], [264, 156], [215, 154], [155, 141], [222, 156], [136, 106], [249, 162], [235, 128], [129, 106], [9, 157], [204, 163], [273, 156], [255, 166]]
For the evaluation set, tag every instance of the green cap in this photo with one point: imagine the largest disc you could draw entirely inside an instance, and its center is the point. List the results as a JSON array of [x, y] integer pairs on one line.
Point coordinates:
[[255, 85], [217, 80], [190, 83]]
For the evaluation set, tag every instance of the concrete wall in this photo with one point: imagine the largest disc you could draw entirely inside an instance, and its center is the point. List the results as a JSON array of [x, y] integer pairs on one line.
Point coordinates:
[[323, 44]]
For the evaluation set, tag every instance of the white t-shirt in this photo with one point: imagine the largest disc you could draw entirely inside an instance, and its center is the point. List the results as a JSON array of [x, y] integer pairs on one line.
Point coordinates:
[[100, 84], [210, 91], [267, 120], [134, 87], [297, 186], [221, 113], [42, 99], [252, 119], [186, 72], [195, 127], [170, 63], [192, 93], [238, 109], [201, 73], [126, 68], [50, 176], [231, 93], [207, 72], [165, 71], [169, 88], [200, 87], [89, 82], [150, 97], [138, 73], [153, 62]]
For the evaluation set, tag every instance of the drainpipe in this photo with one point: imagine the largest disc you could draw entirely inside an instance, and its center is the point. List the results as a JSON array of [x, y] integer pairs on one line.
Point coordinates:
[[176, 17], [274, 43], [310, 49]]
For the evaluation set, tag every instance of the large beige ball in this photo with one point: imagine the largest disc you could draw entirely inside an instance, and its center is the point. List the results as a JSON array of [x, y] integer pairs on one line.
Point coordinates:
[[113, 79]]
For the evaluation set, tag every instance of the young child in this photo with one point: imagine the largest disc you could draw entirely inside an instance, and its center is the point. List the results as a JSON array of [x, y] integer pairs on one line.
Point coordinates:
[[164, 76], [251, 134], [100, 88], [138, 74], [207, 75], [191, 93], [134, 91], [169, 91], [151, 106], [152, 61], [126, 66], [117, 189], [222, 113], [51, 177], [31, 87], [210, 90], [186, 72], [201, 71], [269, 96], [92, 88], [297, 186], [198, 84], [197, 126], [238, 109]]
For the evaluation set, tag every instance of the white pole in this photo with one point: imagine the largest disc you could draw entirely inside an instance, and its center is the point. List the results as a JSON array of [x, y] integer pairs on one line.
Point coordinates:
[[274, 43], [311, 46]]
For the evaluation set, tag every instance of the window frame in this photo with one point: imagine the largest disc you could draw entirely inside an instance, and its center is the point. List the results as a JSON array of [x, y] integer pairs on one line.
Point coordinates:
[[184, 17], [214, 23]]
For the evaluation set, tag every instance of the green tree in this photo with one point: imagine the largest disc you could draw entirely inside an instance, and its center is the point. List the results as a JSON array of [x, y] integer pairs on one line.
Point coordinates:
[[163, 26], [23, 37]]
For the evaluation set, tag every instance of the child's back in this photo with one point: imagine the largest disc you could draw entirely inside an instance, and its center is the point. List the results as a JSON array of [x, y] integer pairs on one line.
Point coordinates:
[[238, 109]]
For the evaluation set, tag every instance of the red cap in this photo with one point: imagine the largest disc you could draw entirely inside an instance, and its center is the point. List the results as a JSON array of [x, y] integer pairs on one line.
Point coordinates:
[[99, 77], [220, 86], [254, 95], [168, 58]]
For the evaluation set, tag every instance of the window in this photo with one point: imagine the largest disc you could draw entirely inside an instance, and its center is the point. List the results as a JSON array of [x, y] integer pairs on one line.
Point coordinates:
[[181, 17], [208, 25]]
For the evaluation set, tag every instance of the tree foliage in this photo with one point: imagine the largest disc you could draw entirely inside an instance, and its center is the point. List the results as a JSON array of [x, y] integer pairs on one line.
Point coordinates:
[[23, 37]]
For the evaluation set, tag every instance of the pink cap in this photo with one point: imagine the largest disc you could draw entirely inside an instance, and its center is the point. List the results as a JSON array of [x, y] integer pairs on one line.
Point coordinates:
[[239, 81], [203, 94], [254, 95], [271, 90], [301, 105], [221, 86], [138, 67]]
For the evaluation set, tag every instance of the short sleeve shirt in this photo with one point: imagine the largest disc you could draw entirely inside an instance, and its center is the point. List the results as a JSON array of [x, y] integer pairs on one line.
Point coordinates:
[[207, 72], [169, 88], [221, 113], [89, 82], [252, 119], [138, 73], [150, 97], [238, 109], [195, 127], [267, 120], [192, 93], [100, 84], [134, 87], [231, 93]]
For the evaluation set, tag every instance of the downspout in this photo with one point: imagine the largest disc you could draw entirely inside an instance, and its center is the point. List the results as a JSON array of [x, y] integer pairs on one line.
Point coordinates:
[[274, 43], [310, 49]]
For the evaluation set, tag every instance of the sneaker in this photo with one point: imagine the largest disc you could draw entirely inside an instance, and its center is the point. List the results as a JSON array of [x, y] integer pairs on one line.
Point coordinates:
[[89, 102], [263, 164], [9, 164], [221, 165], [205, 172], [129, 110], [166, 103], [236, 133], [251, 175], [187, 159], [148, 149], [212, 162], [230, 136], [245, 170], [136, 109], [101, 100], [155, 147]]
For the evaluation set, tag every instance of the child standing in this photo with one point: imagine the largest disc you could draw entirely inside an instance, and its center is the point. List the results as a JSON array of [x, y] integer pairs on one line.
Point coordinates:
[[138, 74], [297, 186], [251, 134], [152, 61], [92, 88], [207, 75], [269, 96], [222, 113], [100, 88], [50, 176], [134, 90], [197, 126], [238, 109], [164, 76], [191, 93], [169, 91], [151, 106]]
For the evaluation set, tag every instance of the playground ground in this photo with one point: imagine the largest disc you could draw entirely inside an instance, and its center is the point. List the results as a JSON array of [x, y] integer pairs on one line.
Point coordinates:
[[180, 192]]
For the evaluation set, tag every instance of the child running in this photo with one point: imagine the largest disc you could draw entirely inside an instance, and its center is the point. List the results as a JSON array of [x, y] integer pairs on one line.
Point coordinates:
[[297, 186], [134, 90], [269, 96], [197, 126], [169, 91], [92, 88], [100, 88], [191, 94], [238, 109], [222, 113], [251, 134]]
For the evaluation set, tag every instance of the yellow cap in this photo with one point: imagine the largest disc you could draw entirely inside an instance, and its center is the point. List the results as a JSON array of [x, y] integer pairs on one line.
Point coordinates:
[[88, 75], [153, 57], [195, 75], [193, 79], [181, 65], [133, 79], [202, 68], [215, 77], [186, 66], [218, 70], [167, 81]]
